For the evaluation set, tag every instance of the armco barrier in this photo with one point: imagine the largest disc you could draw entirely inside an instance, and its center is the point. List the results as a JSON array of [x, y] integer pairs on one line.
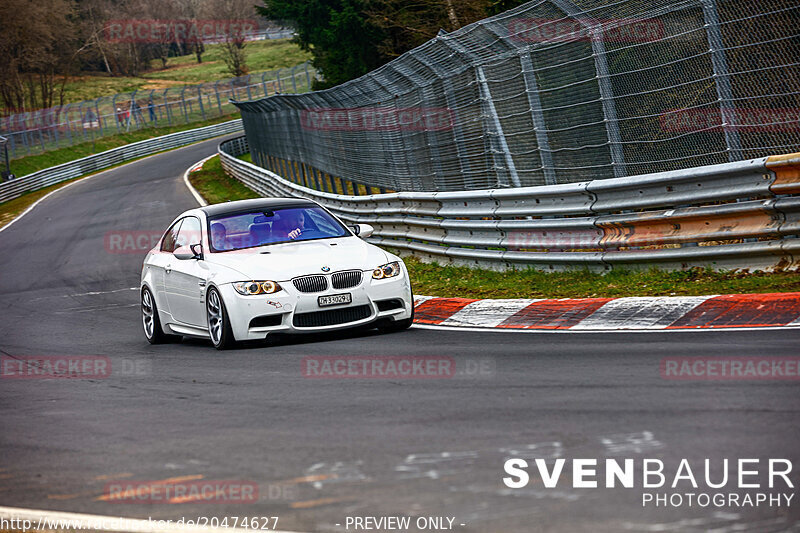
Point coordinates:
[[728, 216], [49, 176]]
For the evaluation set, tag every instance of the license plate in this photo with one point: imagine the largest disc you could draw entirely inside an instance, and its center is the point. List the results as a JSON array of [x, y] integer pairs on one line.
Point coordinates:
[[334, 299]]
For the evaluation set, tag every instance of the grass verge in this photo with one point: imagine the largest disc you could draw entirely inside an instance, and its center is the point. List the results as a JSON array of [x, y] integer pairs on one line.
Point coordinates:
[[215, 186], [464, 282], [32, 163], [13, 208]]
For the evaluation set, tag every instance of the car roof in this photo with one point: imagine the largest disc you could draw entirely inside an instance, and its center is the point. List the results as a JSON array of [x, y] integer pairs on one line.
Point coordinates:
[[242, 206]]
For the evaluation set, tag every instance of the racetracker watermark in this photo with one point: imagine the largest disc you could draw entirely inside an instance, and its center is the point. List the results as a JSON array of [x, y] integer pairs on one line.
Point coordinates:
[[377, 119], [554, 240], [130, 242], [730, 368], [71, 367], [544, 30], [178, 30], [717, 119], [180, 490], [396, 367]]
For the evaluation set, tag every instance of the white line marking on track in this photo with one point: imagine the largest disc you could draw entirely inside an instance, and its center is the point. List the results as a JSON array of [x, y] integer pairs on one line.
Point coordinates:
[[117, 524], [200, 200], [46, 196]]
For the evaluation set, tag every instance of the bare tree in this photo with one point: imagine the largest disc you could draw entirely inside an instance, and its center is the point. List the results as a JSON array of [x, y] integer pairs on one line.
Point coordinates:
[[233, 46], [37, 45]]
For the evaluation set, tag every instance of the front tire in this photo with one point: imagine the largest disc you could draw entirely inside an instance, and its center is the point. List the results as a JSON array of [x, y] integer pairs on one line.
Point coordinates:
[[219, 325], [152, 324]]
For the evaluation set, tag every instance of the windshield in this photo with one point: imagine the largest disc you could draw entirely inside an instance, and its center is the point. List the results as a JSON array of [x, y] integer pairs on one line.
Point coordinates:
[[259, 228]]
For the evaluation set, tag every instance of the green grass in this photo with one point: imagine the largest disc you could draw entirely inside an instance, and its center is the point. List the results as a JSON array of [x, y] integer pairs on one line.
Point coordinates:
[[448, 281], [216, 186], [453, 282], [261, 56], [29, 164]]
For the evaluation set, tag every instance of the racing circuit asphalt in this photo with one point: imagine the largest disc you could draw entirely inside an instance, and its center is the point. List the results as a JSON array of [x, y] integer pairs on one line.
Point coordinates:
[[325, 449]]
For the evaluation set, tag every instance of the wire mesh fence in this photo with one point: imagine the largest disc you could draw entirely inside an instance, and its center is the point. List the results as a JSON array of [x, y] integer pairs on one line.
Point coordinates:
[[48, 129], [555, 91]]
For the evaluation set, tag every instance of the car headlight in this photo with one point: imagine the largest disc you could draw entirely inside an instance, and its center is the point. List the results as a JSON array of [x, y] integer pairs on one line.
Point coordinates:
[[253, 288], [389, 270]]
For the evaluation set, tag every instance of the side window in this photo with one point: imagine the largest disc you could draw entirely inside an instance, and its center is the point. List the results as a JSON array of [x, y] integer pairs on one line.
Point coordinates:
[[171, 237], [189, 233]]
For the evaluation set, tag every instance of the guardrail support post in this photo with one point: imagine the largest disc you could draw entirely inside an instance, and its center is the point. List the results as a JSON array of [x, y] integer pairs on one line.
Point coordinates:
[[722, 80]]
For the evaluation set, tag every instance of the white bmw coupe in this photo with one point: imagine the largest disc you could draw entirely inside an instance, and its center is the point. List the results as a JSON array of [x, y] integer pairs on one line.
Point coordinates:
[[243, 270]]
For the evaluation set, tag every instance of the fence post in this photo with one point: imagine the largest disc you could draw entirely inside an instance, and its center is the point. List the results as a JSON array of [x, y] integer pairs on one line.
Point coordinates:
[[294, 80], [264, 84], [722, 80], [117, 115], [183, 104], [39, 129], [55, 121], [488, 104], [308, 76], [314, 174], [603, 82], [166, 106], [219, 101], [69, 126], [200, 101], [134, 110], [25, 133], [100, 122], [539, 126], [278, 79], [247, 86]]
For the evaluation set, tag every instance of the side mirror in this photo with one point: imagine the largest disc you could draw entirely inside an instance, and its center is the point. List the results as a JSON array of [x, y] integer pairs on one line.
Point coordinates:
[[363, 230], [188, 252]]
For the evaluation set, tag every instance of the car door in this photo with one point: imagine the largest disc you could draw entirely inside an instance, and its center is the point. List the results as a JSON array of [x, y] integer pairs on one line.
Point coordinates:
[[186, 279], [160, 261]]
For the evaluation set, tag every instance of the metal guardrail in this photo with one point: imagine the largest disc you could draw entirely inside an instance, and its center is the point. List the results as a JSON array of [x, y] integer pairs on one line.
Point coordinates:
[[726, 216], [79, 167]]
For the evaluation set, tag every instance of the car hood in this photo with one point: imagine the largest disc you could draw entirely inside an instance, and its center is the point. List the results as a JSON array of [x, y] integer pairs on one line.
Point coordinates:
[[282, 262]]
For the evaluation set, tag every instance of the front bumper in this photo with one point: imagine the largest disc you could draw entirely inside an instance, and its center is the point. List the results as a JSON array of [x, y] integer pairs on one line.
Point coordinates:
[[278, 310]]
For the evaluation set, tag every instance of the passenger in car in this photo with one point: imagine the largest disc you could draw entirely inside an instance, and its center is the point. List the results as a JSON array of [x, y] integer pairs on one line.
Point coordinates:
[[219, 236]]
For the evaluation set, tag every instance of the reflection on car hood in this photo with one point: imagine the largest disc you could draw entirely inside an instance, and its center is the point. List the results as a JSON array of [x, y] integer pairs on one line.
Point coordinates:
[[282, 262]]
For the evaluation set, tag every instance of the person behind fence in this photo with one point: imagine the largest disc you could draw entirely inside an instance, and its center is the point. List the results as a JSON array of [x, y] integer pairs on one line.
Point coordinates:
[[137, 111], [151, 109], [120, 117]]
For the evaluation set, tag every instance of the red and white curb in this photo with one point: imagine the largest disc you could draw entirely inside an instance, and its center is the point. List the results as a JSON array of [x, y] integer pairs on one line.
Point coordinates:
[[194, 168], [611, 314]]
